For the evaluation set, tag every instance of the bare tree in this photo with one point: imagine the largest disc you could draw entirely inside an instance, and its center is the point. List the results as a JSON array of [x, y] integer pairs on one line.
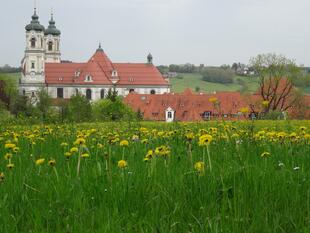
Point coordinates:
[[276, 74]]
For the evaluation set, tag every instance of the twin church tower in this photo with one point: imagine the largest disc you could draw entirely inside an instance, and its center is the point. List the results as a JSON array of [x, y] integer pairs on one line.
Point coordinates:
[[42, 68], [42, 46]]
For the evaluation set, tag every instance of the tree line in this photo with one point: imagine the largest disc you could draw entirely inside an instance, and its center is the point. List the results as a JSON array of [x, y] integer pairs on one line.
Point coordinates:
[[18, 108]]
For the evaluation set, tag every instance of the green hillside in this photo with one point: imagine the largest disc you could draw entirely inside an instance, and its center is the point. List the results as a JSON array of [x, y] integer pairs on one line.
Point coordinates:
[[195, 80]]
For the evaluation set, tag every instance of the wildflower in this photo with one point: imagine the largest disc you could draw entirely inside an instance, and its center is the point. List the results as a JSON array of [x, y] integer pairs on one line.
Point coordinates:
[[74, 150], [149, 154], [8, 156], [67, 155], [244, 110], [205, 140], [10, 166], [146, 159], [79, 141], [199, 167], [281, 164], [52, 162], [303, 128], [265, 154], [9, 146], [122, 164], [135, 138], [16, 149], [189, 136], [144, 141], [265, 103], [2, 177], [213, 100], [99, 145], [85, 155], [40, 161], [296, 168], [124, 143], [64, 144]]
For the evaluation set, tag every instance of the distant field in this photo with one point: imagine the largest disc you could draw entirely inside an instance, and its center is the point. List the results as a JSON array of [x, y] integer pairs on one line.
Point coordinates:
[[195, 80]]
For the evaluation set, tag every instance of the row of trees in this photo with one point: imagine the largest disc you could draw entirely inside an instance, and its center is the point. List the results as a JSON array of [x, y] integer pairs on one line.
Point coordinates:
[[76, 109]]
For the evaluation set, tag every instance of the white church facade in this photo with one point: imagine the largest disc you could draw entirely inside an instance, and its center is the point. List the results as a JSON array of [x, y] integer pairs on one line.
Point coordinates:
[[42, 67]]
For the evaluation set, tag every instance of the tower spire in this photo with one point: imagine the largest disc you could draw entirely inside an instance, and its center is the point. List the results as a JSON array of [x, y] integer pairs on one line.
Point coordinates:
[[99, 47], [52, 14], [35, 6]]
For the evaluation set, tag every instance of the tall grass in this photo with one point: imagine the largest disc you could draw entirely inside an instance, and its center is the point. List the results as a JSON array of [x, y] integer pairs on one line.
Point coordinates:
[[244, 192]]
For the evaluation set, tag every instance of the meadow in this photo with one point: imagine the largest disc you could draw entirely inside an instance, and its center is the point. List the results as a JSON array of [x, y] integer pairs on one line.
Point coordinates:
[[156, 177], [194, 80]]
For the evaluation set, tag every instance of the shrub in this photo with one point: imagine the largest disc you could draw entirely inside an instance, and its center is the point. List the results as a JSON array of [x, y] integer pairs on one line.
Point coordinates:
[[218, 75], [107, 110]]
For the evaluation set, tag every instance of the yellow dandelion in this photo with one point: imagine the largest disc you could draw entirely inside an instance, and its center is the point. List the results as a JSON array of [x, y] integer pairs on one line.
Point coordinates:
[[68, 155], [74, 150], [9, 146], [79, 141], [8, 156], [2, 177], [265, 154], [199, 166], [122, 164], [124, 143], [40, 161], [85, 155], [205, 140], [52, 162], [213, 100], [265, 103], [64, 144], [10, 166]]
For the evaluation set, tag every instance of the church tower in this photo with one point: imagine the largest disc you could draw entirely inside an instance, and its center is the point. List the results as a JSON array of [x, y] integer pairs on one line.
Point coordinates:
[[52, 43], [33, 62]]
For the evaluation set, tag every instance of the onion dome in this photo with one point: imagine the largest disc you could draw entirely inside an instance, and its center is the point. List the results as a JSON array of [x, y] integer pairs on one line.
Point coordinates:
[[52, 30], [35, 24]]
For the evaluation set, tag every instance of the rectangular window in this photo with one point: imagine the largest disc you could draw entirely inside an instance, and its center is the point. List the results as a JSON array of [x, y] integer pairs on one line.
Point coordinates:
[[32, 65], [60, 93], [169, 115]]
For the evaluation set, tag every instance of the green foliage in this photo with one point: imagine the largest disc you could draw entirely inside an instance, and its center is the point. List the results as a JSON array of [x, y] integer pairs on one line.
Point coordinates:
[[108, 110], [218, 75], [78, 109], [44, 103], [112, 95]]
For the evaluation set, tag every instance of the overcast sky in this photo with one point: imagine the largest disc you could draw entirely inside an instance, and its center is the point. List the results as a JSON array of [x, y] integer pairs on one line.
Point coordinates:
[[211, 32]]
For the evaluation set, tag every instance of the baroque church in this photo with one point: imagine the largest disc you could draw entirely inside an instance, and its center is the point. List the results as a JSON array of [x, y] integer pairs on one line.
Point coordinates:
[[42, 67]]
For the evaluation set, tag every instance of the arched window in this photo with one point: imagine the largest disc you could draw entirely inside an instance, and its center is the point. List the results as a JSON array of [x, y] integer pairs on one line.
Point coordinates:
[[50, 46], [153, 92], [102, 94], [33, 42], [88, 94], [24, 92], [76, 91]]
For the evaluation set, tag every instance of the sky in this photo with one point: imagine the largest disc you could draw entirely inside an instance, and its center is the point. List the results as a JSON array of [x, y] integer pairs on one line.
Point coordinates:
[[210, 32]]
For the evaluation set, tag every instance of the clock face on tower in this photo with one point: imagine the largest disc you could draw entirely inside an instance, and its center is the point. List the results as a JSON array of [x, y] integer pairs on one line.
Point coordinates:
[[32, 75]]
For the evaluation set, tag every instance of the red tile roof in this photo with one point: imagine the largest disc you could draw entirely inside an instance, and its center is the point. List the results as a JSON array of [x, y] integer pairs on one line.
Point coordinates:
[[100, 68], [187, 105]]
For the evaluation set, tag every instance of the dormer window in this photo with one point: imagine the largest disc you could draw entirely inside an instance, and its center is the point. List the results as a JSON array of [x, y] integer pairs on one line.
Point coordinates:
[[77, 73], [114, 73], [131, 79], [60, 78], [88, 78]]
